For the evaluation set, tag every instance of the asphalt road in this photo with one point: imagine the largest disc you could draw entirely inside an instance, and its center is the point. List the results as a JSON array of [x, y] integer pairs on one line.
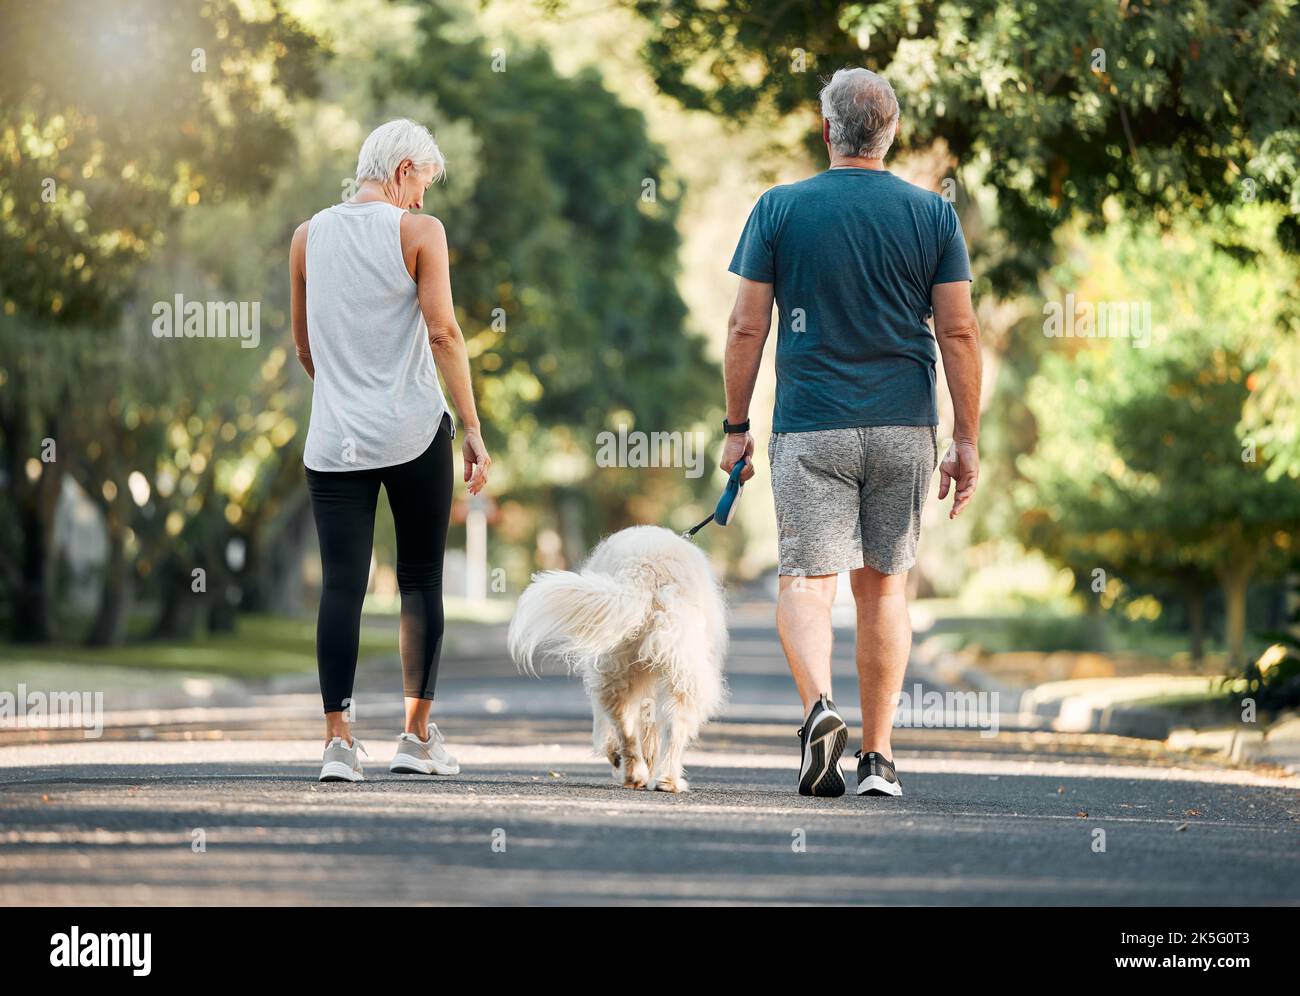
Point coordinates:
[[1009, 819]]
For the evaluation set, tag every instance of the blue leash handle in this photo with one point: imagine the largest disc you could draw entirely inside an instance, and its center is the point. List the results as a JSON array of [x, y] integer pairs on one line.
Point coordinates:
[[727, 503]]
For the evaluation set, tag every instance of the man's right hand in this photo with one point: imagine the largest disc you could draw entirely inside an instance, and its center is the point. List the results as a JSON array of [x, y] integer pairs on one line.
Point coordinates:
[[738, 445], [960, 470]]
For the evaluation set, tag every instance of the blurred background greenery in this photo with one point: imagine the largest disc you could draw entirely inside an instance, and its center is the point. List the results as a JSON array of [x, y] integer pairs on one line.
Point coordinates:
[[1139, 500]]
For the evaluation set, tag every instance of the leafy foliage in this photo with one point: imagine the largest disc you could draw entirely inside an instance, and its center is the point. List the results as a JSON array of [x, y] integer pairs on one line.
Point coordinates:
[[107, 131], [1273, 679], [1165, 107], [565, 278], [568, 240], [1141, 465], [114, 120]]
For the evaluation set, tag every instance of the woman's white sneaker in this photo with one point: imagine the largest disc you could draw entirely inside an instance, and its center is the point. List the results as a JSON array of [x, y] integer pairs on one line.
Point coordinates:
[[423, 757], [341, 763]]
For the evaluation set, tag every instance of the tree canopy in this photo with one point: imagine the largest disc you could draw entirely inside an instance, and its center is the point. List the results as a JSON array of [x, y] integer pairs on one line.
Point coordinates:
[[114, 117], [1165, 107], [1143, 465], [203, 127], [565, 254]]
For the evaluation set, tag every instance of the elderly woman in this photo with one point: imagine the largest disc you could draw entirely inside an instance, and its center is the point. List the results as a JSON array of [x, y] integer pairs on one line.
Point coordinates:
[[372, 317]]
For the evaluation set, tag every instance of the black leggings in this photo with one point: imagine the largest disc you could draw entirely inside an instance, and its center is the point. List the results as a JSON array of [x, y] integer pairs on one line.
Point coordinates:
[[343, 503]]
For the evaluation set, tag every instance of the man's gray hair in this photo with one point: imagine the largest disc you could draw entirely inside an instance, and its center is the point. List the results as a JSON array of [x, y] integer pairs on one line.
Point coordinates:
[[863, 113], [391, 143]]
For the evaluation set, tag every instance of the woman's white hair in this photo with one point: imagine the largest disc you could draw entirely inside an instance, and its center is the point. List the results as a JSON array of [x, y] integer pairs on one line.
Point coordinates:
[[390, 144], [863, 113]]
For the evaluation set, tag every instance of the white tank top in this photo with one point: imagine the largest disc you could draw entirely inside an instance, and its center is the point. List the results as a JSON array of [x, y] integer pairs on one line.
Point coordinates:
[[376, 400]]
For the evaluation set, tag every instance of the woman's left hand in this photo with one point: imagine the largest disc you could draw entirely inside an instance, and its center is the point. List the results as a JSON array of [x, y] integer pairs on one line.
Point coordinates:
[[476, 459]]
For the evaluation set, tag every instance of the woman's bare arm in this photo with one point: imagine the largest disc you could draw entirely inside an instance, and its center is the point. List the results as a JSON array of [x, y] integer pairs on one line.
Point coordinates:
[[433, 285], [298, 298]]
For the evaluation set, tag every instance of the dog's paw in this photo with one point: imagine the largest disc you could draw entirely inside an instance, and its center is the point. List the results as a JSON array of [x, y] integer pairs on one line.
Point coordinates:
[[637, 776], [672, 785]]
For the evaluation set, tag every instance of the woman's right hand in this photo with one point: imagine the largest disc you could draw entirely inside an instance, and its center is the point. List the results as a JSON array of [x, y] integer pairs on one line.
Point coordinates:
[[476, 459]]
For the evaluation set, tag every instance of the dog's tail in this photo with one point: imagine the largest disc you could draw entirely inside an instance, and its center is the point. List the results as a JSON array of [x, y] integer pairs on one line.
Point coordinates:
[[577, 617]]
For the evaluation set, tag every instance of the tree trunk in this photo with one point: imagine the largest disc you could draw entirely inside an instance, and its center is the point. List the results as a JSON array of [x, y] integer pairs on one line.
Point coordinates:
[[215, 607], [27, 419], [272, 577], [1196, 624], [179, 615], [221, 607], [1236, 583], [109, 628], [1097, 633], [34, 599], [1291, 604], [573, 544]]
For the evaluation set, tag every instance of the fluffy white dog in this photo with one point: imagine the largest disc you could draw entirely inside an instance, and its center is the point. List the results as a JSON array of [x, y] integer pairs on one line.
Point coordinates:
[[643, 623]]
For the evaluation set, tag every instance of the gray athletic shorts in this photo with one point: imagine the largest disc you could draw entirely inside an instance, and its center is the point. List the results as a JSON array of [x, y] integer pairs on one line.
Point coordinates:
[[848, 498]]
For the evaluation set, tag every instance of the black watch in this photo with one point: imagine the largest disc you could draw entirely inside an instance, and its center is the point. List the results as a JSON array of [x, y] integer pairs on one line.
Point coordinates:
[[730, 429]]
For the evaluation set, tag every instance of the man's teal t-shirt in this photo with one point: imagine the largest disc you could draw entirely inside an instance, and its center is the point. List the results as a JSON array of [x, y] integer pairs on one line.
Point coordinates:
[[853, 254]]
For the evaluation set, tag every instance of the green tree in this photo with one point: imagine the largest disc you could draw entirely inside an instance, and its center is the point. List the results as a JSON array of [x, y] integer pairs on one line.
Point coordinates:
[[1141, 464], [564, 272], [113, 119], [564, 266], [1058, 106], [566, 252], [1272, 416]]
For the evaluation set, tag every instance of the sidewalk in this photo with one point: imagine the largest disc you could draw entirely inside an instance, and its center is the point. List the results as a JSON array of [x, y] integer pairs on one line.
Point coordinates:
[[477, 679], [1136, 706]]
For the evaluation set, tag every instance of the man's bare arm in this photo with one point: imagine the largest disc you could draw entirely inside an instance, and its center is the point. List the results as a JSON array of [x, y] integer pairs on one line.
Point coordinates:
[[958, 334], [747, 331]]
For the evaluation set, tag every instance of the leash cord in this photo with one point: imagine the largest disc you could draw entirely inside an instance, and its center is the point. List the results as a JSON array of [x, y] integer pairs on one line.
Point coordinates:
[[690, 533]]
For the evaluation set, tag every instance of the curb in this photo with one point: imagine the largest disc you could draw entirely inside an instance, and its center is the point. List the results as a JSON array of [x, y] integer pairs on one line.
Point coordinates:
[[1070, 714], [1081, 714], [1278, 745]]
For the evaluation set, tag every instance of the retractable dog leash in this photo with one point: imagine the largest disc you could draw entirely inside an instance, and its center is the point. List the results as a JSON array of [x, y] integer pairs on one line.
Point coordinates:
[[726, 507]]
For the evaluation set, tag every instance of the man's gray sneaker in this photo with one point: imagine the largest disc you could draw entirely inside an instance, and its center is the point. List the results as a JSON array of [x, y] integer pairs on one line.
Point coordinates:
[[423, 757], [821, 739], [341, 763], [876, 775]]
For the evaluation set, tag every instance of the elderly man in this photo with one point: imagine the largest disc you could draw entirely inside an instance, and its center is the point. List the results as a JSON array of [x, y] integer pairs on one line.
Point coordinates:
[[857, 260]]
